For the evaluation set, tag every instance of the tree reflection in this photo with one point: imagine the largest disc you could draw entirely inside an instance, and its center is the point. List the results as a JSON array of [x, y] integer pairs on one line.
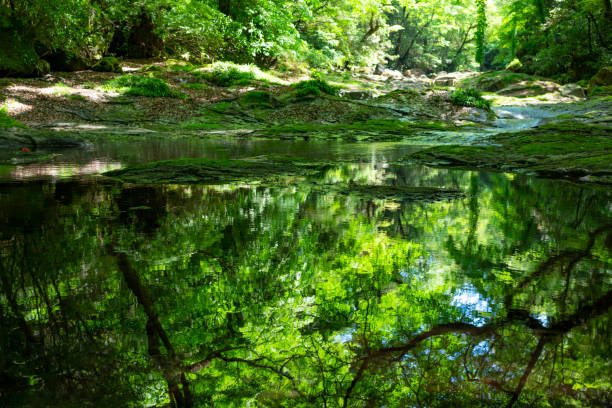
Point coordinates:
[[230, 296]]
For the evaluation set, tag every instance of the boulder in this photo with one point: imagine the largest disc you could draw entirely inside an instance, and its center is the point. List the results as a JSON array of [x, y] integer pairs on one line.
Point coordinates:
[[514, 66], [524, 89], [18, 57], [602, 78], [107, 64], [416, 72], [573, 90], [445, 80], [393, 75], [64, 62], [379, 70]]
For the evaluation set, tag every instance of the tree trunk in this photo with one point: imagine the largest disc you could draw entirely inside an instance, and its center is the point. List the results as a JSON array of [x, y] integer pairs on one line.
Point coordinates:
[[225, 6]]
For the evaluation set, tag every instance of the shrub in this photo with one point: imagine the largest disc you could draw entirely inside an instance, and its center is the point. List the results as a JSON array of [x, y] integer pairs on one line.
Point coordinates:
[[470, 98], [140, 85], [514, 66], [228, 74], [314, 87]]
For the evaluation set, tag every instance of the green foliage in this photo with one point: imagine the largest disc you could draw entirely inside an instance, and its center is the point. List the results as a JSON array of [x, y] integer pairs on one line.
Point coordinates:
[[600, 91], [314, 87], [137, 85], [8, 122], [470, 98], [228, 74]]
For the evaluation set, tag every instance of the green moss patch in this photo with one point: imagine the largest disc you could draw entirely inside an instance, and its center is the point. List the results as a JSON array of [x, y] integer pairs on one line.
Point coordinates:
[[496, 80], [560, 150], [365, 130], [137, 85], [314, 88], [8, 122]]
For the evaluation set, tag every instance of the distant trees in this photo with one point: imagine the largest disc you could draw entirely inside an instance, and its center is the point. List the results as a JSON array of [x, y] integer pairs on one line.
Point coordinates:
[[566, 38]]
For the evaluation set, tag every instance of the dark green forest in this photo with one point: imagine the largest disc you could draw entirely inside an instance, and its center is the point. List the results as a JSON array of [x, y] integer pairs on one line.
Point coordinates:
[[568, 40], [308, 203]]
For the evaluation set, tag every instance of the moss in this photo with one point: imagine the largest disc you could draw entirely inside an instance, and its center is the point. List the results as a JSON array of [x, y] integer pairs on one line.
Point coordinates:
[[8, 122], [137, 85], [514, 66], [107, 64], [314, 88], [258, 99], [366, 130], [600, 91], [566, 149], [196, 86], [76, 97], [179, 65], [207, 171], [495, 81]]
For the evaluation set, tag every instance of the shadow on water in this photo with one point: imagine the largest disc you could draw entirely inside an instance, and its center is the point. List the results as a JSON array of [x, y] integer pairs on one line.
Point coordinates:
[[201, 296]]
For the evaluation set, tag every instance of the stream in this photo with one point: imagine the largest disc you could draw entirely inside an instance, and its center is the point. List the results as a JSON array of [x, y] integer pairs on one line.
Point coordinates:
[[239, 278]]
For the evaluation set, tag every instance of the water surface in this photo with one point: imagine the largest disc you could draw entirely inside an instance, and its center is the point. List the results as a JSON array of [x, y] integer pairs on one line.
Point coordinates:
[[246, 295]]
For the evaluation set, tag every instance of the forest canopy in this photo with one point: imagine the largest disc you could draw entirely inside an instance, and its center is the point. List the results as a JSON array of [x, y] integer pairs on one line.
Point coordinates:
[[567, 39]]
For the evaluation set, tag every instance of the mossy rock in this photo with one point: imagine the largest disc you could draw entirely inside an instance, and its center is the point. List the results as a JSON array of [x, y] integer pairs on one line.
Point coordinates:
[[7, 121], [18, 57], [602, 79], [209, 171], [108, 64], [514, 66], [496, 80], [65, 62], [560, 150], [256, 99], [372, 130]]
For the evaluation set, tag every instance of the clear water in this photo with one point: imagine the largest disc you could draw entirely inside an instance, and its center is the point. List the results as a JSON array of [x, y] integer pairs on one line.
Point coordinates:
[[244, 295]]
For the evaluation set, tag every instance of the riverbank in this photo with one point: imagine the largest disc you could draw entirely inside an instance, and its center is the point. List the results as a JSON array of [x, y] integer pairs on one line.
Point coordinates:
[[534, 126]]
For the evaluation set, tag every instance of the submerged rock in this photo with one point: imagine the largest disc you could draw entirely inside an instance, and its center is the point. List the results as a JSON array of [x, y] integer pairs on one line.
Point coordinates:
[[573, 90]]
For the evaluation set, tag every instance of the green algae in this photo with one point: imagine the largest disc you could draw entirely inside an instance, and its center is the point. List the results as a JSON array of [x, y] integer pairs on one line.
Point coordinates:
[[560, 150]]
